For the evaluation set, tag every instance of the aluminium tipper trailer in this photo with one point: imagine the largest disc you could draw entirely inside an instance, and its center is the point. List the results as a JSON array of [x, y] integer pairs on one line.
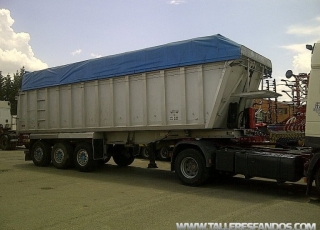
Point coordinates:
[[187, 93], [182, 85]]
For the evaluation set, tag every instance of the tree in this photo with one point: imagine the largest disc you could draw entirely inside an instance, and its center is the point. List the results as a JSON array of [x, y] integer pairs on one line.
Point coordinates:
[[1, 86], [9, 88], [16, 86]]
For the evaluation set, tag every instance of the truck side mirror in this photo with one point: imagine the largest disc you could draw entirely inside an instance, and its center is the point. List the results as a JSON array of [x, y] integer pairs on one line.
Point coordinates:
[[289, 74], [309, 47]]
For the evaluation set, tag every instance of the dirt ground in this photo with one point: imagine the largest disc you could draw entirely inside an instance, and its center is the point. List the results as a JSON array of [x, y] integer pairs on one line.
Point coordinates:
[[135, 197]]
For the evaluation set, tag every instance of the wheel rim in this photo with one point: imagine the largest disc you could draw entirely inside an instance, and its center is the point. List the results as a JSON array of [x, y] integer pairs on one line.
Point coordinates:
[[38, 154], [164, 153], [82, 157], [189, 167], [58, 156]]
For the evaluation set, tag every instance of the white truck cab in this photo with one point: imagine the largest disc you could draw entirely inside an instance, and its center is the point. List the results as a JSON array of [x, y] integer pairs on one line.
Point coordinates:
[[312, 131]]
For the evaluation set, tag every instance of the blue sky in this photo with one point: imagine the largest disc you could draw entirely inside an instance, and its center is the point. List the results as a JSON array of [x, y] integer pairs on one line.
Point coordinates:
[[39, 34]]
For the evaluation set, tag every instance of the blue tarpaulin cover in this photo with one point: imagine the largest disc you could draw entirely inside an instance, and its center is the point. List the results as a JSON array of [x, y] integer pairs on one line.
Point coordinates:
[[190, 52]]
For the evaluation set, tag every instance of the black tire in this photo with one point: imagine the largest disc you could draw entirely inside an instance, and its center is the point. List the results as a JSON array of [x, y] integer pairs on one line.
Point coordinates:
[[61, 155], [123, 156], [4, 142], [317, 180], [83, 158], [190, 167], [164, 153], [144, 153], [41, 153]]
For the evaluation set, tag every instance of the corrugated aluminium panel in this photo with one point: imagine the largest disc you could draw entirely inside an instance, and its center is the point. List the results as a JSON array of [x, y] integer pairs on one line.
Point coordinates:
[[173, 98]]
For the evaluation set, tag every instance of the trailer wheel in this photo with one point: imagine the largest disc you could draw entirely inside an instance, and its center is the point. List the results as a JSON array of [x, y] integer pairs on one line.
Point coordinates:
[[123, 156], [190, 167], [83, 157], [164, 153], [317, 180], [144, 153], [4, 142], [41, 154], [61, 155]]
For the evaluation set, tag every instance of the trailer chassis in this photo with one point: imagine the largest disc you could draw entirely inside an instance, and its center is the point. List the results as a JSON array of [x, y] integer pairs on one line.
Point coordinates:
[[196, 154]]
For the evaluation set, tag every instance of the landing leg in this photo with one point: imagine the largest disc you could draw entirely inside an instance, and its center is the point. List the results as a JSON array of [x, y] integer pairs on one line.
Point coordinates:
[[151, 148]]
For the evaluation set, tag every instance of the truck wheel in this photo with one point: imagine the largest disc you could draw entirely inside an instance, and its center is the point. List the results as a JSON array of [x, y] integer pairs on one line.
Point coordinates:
[[83, 158], [40, 153], [164, 153], [190, 167], [317, 180], [61, 155], [144, 153], [123, 156], [4, 142]]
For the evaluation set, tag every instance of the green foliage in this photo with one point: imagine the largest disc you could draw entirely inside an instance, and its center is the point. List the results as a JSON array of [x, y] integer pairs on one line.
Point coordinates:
[[9, 88]]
